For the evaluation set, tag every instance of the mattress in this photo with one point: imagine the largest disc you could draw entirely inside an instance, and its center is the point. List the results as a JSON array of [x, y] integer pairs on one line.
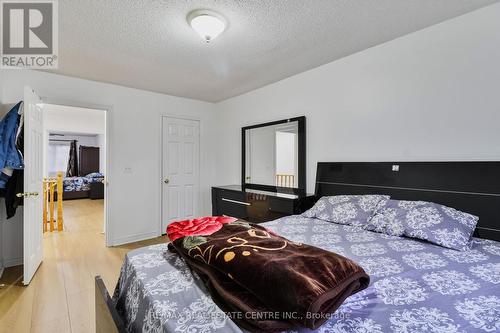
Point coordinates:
[[415, 286]]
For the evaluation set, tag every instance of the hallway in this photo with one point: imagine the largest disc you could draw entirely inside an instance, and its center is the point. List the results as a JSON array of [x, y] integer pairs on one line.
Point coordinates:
[[61, 296]]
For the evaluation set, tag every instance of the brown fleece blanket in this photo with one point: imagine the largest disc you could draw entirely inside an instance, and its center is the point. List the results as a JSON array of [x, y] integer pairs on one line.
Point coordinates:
[[267, 283]]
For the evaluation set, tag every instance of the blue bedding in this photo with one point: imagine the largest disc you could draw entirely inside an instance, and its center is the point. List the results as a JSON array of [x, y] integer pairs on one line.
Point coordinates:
[[415, 286], [73, 184]]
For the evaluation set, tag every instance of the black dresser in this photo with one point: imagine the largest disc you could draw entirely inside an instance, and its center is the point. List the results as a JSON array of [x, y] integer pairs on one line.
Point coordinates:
[[257, 206]]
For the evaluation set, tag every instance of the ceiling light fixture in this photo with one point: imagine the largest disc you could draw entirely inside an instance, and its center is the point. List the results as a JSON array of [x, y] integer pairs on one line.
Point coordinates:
[[208, 24]]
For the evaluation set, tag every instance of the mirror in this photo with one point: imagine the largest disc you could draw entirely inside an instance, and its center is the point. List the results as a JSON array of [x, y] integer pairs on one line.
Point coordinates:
[[273, 156]]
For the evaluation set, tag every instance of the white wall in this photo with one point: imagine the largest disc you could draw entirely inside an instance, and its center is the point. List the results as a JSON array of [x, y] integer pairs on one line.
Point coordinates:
[[431, 95], [60, 118], [134, 142], [101, 143]]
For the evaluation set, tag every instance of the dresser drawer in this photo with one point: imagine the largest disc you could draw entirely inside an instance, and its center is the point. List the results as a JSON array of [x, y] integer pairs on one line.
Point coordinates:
[[255, 206], [233, 196], [283, 206], [233, 209], [231, 204]]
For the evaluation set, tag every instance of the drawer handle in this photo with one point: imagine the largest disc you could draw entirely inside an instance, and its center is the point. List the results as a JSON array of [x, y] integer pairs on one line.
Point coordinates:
[[237, 202]]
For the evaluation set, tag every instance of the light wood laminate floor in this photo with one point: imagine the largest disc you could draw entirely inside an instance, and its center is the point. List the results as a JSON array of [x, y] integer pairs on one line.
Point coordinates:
[[61, 296]]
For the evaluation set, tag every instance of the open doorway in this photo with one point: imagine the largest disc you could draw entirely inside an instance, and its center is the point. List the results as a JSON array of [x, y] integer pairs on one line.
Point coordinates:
[[74, 169]]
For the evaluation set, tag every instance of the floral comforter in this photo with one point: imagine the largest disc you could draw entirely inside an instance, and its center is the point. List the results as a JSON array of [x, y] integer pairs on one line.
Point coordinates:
[[415, 286], [73, 184]]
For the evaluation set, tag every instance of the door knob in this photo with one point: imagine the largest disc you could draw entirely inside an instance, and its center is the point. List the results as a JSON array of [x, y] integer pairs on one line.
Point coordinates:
[[166, 181], [24, 194]]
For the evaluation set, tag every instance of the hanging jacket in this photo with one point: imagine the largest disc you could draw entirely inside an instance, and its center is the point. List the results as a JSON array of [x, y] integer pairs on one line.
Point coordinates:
[[9, 155], [15, 183]]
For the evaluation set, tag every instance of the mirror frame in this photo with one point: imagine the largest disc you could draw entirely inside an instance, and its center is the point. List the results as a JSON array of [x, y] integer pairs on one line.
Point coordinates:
[[301, 151]]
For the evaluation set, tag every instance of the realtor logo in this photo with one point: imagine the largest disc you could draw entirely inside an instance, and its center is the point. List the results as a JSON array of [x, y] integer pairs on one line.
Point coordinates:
[[29, 34]]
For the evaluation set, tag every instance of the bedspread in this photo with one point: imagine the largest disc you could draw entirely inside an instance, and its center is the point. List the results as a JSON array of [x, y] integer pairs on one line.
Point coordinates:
[[415, 286], [244, 266], [73, 184]]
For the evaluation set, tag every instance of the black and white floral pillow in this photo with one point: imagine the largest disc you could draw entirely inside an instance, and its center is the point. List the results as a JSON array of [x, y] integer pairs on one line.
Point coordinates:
[[346, 209], [428, 221]]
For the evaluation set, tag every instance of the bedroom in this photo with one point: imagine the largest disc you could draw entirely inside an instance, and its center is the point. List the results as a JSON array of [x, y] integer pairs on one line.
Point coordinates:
[[389, 82], [75, 146]]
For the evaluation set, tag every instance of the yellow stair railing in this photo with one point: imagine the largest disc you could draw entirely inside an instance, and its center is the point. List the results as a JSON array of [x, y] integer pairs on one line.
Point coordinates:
[[50, 185], [285, 180]]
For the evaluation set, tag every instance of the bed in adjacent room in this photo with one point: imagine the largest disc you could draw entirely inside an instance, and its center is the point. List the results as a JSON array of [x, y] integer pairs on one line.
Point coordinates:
[[90, 182], [81, 187], [426, 273]]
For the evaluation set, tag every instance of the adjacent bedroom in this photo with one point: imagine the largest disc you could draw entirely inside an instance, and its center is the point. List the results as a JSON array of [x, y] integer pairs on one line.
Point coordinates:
[[215, 166], [74, 166]]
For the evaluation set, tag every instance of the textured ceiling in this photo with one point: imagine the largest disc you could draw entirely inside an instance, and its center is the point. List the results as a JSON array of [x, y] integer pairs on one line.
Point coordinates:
[[147, 44]]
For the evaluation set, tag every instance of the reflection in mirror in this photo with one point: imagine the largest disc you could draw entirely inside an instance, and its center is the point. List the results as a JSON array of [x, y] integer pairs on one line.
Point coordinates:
[[272, 155]]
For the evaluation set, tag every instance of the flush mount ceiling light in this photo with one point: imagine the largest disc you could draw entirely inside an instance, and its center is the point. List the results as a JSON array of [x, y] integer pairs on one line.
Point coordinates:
[[207, 23]]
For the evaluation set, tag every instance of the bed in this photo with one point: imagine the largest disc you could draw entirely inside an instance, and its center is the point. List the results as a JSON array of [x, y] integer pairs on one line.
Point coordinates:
[[415, 285], [81, 187], [89, 185]]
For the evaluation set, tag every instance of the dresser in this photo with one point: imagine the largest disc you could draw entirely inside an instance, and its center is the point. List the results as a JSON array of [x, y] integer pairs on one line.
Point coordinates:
[[257, 206]]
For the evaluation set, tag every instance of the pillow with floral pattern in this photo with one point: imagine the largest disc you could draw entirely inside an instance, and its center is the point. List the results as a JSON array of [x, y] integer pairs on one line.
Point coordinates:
[[346, 209], [95, 175], [423, 220]]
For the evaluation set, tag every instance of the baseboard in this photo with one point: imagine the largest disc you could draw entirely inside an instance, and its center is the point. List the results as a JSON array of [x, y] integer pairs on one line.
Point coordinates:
[[134, 238], [12, 262]]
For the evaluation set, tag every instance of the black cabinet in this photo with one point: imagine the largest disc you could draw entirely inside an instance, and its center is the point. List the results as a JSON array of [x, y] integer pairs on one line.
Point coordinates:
[[96, 190], [257, 206]]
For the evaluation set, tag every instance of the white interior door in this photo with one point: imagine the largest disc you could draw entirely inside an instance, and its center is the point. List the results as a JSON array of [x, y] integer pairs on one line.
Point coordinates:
[[180, 169], [33, 177]]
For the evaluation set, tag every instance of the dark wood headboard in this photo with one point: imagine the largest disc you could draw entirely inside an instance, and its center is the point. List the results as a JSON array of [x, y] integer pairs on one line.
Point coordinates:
[[89, 160], [472, 187]]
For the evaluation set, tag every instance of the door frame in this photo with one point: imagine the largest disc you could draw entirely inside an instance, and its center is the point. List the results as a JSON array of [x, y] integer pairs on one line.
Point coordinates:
[[160, 175], [107, 109]]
